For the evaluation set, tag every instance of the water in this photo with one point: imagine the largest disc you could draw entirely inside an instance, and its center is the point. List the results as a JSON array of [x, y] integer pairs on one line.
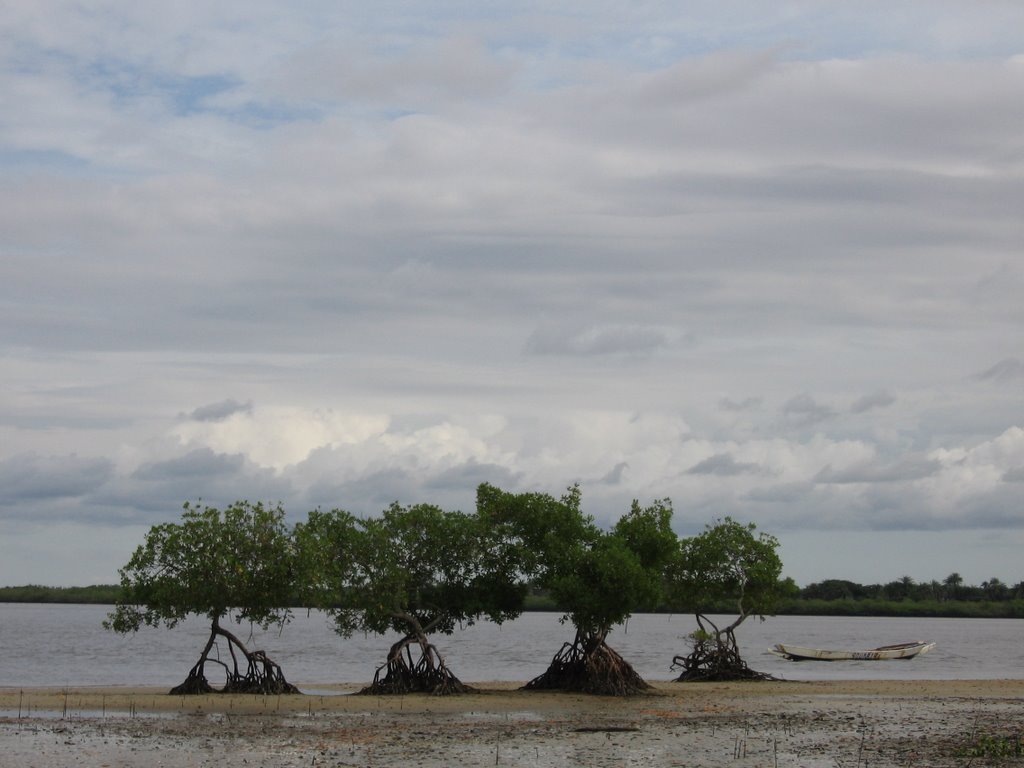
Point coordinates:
[[64, 645]]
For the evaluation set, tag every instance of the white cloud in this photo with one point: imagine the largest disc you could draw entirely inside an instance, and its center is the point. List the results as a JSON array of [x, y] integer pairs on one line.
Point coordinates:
[[277, 437]]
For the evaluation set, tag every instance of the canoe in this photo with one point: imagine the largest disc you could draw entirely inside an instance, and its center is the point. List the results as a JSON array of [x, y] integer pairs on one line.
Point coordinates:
[[884, 653]]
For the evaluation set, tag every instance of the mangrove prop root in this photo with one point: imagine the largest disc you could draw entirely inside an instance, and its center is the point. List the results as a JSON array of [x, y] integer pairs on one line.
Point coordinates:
[[263, 676], [194, 685], [589, 665], [710, 661], [427, 675], [260, 675]]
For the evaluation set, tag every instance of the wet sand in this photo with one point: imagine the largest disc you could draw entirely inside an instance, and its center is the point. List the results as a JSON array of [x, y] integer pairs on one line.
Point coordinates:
[[835, 724]]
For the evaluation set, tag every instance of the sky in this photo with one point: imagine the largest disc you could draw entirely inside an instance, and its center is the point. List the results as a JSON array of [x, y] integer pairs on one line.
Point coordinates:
[[765, 260]]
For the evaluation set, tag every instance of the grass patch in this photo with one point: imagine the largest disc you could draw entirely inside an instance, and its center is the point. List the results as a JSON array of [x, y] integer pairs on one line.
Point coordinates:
[[995, 747]]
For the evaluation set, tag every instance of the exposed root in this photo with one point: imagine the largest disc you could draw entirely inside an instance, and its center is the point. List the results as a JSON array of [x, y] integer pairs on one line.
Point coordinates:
[[401, 675], [711, 661], [264, 676], [194, 685], [261, 675], [589, 665]]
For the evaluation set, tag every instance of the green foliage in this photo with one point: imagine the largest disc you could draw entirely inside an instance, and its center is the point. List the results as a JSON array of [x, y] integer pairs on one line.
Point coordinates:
[[647, 532], [597, 577], [538, 524], [728, 563], [326, 563], [413, 568], [994, 747], [210, 563], [600, 585]]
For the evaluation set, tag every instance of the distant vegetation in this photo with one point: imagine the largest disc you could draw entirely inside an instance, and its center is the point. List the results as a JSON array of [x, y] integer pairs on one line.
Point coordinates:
[[97, 594], [832, 597], [906, 597]]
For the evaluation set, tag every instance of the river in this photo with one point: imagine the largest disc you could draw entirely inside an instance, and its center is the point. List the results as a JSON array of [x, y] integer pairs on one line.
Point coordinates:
[[65, 645]]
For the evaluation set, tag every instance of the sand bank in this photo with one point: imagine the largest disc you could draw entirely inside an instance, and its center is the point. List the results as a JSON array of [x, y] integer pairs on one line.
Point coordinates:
[[849, 723]]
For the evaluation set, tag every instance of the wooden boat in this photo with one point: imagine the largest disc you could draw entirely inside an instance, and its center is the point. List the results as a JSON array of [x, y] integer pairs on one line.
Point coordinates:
[[902, 651]]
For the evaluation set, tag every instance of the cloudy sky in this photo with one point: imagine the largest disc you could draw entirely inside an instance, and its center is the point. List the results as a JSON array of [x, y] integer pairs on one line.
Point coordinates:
[[335, 254]]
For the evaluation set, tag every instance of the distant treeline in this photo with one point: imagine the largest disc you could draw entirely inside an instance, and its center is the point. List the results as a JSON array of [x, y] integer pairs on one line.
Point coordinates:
[[906, 597], [832, 597], [99, 594]]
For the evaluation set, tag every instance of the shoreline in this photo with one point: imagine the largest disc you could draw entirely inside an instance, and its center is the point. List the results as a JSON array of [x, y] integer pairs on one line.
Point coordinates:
[[770, 723], [500, 696]]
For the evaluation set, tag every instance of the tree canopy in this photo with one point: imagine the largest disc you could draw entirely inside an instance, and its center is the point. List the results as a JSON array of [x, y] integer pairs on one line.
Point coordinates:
[[606, 576], [239, 561]]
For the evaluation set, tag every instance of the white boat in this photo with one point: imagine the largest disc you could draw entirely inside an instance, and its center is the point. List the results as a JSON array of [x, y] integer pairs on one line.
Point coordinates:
[[886, 652]]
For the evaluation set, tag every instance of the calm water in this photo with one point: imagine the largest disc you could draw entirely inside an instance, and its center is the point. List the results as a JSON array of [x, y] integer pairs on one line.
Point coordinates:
[[57, 645]]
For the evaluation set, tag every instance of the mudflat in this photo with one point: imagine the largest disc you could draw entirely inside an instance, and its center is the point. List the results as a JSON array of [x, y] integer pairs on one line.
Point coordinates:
[[834, 723]]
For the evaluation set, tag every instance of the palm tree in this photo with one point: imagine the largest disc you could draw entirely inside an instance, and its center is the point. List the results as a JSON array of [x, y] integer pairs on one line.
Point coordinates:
[[953, 582]]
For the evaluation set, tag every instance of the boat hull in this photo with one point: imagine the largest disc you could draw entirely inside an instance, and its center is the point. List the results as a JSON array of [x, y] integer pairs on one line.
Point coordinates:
[[901, 651]]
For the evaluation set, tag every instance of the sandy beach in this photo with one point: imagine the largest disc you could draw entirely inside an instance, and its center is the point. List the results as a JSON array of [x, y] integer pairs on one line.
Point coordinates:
[[836, 724]]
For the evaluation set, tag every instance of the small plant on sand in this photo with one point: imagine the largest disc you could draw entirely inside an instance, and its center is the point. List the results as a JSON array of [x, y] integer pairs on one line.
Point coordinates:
[[994, 747], [237, 563]]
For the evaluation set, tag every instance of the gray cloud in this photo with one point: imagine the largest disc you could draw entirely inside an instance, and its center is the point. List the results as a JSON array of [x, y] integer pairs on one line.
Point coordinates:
[[781, 493], [615, 474], [880, 399], [995, 510], [199, 464], [597, 340], [155, 491], [30, 477], [370, 493], [748, 403], [471, 474], [906, 469], [723, 464], [803, 410], [220, 411], [1006, 370]]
